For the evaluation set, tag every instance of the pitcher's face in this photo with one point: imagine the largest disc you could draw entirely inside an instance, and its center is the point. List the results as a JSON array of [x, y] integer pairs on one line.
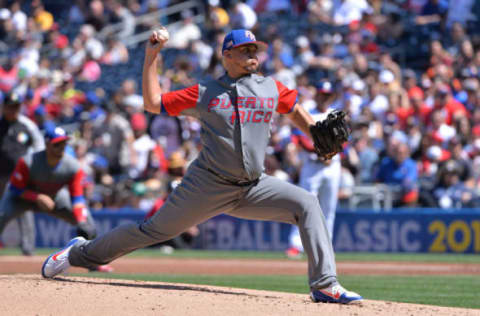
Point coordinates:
[[243, 58]]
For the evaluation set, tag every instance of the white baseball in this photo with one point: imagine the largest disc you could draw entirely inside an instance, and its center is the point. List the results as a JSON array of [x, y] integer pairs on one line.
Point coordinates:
[[162, 34]]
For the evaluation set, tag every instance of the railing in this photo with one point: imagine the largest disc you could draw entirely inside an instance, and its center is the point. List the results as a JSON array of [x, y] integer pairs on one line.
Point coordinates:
[[379, 196], [155, 16]]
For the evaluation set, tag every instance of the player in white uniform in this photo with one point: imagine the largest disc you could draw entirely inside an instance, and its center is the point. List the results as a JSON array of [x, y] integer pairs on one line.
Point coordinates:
[[319, 177]]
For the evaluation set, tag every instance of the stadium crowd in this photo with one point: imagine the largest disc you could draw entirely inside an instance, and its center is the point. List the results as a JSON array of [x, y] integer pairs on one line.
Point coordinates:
[[407, 72]]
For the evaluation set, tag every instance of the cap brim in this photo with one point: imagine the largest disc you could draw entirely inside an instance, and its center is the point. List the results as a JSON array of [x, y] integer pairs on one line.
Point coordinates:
[[325, 91], [261, 46], [59, 139]]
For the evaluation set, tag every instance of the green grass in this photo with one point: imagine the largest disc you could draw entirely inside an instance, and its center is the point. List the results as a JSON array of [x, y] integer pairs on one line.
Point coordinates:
[[453, 291], [218, 254]]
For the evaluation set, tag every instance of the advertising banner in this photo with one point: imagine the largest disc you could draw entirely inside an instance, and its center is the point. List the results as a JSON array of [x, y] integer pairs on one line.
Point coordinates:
[[412, 230]]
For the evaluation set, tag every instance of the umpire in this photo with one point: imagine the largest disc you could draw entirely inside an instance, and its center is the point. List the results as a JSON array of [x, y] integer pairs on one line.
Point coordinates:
[[18, 136]]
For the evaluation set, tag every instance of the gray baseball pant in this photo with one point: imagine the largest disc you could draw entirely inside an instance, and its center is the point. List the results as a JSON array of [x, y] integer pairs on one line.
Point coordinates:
[[203, 195]]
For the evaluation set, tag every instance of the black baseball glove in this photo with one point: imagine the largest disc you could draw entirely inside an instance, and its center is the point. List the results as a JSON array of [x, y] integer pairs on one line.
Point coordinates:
[[330, 134]]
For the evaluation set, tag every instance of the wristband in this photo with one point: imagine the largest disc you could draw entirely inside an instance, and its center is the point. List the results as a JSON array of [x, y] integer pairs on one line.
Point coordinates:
[[30, 195], [80, 213]]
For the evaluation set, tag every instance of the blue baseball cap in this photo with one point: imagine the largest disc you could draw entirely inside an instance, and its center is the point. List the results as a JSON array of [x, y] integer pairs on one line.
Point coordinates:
[[92, 98], [55, 135], [325, 87], [241, 37]]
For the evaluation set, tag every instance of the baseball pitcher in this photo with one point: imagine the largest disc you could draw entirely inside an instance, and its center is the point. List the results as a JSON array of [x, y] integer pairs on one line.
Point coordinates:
[[235, 112]]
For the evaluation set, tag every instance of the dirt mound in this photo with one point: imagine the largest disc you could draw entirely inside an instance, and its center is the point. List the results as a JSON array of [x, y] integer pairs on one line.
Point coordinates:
[[32, 295]]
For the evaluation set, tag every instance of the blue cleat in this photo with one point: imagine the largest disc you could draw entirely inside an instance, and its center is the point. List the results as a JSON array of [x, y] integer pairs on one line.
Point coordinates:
[[335, 294], [58, 262]]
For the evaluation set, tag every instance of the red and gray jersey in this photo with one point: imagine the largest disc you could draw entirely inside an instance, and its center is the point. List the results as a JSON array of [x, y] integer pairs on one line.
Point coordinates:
[[236, 116], [33, 173]]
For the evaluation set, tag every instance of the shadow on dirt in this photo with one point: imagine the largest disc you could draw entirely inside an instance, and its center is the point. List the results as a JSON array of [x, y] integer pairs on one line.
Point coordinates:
[[159, 287]]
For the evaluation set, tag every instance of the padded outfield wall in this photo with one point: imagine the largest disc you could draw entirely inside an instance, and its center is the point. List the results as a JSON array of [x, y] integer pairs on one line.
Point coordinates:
[[412, 230]]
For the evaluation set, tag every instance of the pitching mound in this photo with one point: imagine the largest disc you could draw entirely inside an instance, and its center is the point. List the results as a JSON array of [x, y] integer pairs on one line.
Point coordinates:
[[32, 295]]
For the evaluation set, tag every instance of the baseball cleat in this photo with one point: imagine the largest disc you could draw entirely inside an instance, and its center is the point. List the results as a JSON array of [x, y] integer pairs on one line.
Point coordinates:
[[58, 262], [334, 294]]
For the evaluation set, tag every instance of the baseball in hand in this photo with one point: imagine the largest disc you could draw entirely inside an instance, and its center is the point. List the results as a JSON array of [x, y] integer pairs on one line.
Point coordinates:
[[159, 35]]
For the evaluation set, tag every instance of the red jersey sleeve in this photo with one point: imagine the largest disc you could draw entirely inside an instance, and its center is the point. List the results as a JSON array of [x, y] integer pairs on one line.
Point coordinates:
[[175, 102], [286, 98], [75, 186], [20, 175]]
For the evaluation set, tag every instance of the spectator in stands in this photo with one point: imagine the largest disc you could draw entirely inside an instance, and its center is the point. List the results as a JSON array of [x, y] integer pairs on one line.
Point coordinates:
[[433, 11], [471, 87], [428, 176], [447, 105], [463, 129], [439, 127], [116, 52], [355, 98], [113, 139], [284, 74], [391, 27], [279, 49], [8, 75], [400, 171], [91, 70], [349, 11], [19, 18], [379, 102], [460, 13], [461, 160], [320, 11], [91, 108], [43, 119], [95, 16], [42, 17], [143, 146], [88, 41], [262, 6], [77, 12], [131, 100], [166, 131], [188, 32], [361, 159], [451, 191], [218, 18], [121, 14], [203, 53], [242, 16]]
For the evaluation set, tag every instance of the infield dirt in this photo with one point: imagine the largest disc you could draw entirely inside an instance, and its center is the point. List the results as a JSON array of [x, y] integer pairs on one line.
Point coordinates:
[[29, 294]]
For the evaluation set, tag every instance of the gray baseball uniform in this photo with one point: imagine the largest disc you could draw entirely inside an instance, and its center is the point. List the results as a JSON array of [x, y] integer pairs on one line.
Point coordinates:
[[227, 177], [33, 175]]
